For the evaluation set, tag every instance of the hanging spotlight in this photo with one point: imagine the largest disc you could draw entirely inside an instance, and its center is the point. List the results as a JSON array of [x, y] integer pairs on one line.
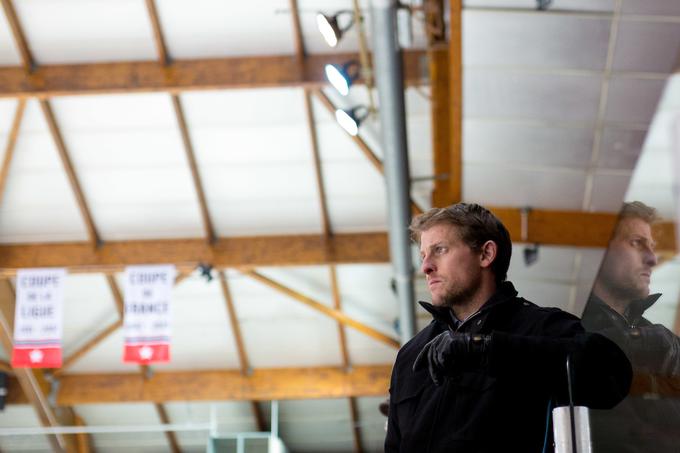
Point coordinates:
[[351, 119], [342, 77], [329, 26]]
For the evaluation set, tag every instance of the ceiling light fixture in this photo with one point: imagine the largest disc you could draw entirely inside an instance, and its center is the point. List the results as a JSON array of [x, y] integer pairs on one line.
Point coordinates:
[[342, 77], [350, 119], [329, 26]]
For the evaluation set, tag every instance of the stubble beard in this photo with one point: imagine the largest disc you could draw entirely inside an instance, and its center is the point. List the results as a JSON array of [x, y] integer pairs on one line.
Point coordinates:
[[461, 295]]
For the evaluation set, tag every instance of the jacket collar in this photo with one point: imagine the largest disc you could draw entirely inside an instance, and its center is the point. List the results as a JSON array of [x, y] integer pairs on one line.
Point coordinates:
[[634, 311], [443, 314]]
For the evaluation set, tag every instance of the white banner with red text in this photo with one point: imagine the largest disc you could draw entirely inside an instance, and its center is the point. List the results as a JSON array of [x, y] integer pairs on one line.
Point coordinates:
[[148, 314], [38, 318]]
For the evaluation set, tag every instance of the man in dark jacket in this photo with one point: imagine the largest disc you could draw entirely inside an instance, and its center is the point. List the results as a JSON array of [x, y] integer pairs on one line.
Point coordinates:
[[485, 373], [615, 309]]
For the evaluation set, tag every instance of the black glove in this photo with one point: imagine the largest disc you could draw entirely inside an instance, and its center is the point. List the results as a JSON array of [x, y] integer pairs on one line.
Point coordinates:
[[449, 353]]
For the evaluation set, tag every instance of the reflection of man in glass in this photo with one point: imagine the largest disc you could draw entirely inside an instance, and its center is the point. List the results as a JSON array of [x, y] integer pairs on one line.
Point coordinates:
[[615, 308]]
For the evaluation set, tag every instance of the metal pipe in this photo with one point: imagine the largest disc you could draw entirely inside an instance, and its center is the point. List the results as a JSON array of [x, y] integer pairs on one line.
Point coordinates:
[[275, 418], [389, 78]]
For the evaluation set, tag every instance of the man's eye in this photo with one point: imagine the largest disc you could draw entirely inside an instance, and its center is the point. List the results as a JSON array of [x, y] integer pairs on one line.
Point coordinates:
[[440, 250]]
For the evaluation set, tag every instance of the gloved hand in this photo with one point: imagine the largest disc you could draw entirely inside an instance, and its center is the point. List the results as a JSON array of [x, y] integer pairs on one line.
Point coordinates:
[[450, 352]]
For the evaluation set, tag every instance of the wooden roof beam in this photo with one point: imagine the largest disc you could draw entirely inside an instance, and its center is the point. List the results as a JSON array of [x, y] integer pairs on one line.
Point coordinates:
[[187, 254], [547, 227], [208, 227], [261, 385], [446, 92], [48, 81], [159, 41]]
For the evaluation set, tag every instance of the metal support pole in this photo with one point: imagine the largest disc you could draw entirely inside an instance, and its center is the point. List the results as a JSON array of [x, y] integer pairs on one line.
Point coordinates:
[[389, 79], [275, 418]]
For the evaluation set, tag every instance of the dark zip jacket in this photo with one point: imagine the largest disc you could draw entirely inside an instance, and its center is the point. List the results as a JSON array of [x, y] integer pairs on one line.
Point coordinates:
[[639, 424], [503, 404]]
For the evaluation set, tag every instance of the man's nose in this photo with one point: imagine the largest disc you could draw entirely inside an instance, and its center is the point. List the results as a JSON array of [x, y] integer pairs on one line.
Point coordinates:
[[427, 266], [650, 258]]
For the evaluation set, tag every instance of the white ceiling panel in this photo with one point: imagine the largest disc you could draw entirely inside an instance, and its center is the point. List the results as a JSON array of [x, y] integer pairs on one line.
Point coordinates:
[[654, 7], [573, 5], [655, 169], [298, 343], [7, 109], [9, 54], [647, 47], [269, 217], [251, 200], [38, 203], [620, 148], [86, 31], [355, 196], [118, 414], [312, 281], [661, 137], [665, 281], [545, 294], [211, 28], [566, 42], [303, 336], [503, 186], [524, 95], [372, 423], [246, 147], [119, 222], [231, 417], [660, 197], [367, 288], [589, 263], [365, 350], [553, 264], [135, 182], [201, 332], [106, 357], [419, 133], [113, 113], [609, 190], [497, 142], [123, 415], [88, 307], [653, 178], [316, 425], [633, 100], [239, 108], [21, 416]]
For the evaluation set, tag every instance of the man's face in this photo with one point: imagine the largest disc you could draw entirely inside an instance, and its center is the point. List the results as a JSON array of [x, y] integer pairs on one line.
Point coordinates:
[[627, 266], [452, 269]]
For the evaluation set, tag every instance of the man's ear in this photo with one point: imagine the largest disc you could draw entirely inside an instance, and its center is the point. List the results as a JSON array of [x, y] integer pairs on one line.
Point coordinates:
[[488, 253]]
